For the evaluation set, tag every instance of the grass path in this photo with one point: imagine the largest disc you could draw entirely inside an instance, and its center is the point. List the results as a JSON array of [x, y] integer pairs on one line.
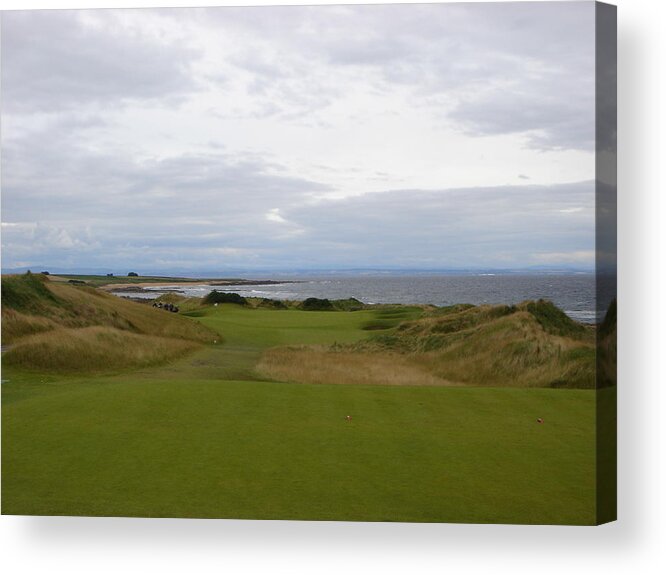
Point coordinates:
[[245, 334]]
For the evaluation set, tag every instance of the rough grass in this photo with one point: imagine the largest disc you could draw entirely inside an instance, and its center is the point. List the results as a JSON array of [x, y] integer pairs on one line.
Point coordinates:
[[93, 349], [317, 365], [518, 346], [553, 320], [16, 324], [607, 347], [51, 326], [27, 293]]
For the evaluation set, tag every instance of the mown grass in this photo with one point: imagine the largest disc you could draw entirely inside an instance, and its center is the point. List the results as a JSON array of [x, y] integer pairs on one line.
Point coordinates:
[[130, 447], [263, 328], [389, 317]]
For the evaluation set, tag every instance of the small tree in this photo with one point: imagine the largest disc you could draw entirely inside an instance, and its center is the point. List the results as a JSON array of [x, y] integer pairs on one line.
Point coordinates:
[[133, 275]]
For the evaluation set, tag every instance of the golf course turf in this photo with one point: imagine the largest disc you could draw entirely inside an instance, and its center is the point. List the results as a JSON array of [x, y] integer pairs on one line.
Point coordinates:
[[204, 436]]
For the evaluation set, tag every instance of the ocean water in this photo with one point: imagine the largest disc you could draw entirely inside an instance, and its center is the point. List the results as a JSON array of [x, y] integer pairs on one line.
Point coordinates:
[[573, 293]]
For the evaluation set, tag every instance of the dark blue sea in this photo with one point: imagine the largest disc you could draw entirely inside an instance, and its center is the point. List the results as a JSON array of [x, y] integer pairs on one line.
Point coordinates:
[[574, 293]]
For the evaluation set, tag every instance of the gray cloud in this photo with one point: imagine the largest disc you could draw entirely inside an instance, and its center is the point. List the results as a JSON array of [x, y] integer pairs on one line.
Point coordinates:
[[74, 194], [62, 200], [52, 60], [63, 205], [505, 226]]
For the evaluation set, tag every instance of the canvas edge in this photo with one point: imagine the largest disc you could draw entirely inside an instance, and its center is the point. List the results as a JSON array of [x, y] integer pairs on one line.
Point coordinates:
[[606, 260]]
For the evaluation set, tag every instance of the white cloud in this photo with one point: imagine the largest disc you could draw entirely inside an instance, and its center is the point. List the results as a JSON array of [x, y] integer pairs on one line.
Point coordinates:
[[274, 216]]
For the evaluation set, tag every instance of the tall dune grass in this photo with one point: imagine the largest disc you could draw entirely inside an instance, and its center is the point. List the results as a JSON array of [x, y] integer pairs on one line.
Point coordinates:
[[93, 349], [59, 327], [16, 324], [321, 365], [529, 345]]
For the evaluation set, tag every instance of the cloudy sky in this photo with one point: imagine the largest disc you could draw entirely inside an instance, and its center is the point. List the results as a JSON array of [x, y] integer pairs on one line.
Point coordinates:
[[330, 137]]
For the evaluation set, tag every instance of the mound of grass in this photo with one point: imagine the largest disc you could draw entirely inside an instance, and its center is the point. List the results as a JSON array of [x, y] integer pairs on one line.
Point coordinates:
[[27, 293], [553, 319], [16, 324], [321, 365], [465, 345], [224, 297], [456, 318], [93, 349], [36, 312]]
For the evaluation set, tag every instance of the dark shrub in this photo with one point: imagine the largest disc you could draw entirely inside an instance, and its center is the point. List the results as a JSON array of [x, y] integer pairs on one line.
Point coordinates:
[[224, 297], [349, 304], [316, 304], [133, 275]]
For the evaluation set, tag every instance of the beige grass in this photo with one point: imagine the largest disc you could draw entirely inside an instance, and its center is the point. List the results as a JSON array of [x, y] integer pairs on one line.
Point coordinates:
[[93, 349], [488, 348], [319, 365], [85, 307], [60, 327], [16, 325]]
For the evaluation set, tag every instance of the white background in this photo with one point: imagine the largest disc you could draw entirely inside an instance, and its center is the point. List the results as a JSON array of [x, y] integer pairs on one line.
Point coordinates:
[[635, 543]]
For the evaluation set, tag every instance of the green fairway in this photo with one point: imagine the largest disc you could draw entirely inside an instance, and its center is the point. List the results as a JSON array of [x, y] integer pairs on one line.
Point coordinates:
[[264, 328], [202, 437], [263, 450]]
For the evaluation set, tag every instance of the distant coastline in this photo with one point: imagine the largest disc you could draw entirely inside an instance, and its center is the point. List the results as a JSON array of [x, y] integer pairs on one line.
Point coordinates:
[[166, 285]]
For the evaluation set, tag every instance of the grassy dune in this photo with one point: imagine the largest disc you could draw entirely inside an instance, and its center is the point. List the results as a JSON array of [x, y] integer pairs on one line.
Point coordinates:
[[530, 345], [93, 349], [55, 326]]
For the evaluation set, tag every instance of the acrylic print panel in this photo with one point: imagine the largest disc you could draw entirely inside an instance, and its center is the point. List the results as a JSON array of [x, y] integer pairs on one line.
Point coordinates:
[[351, 263]]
